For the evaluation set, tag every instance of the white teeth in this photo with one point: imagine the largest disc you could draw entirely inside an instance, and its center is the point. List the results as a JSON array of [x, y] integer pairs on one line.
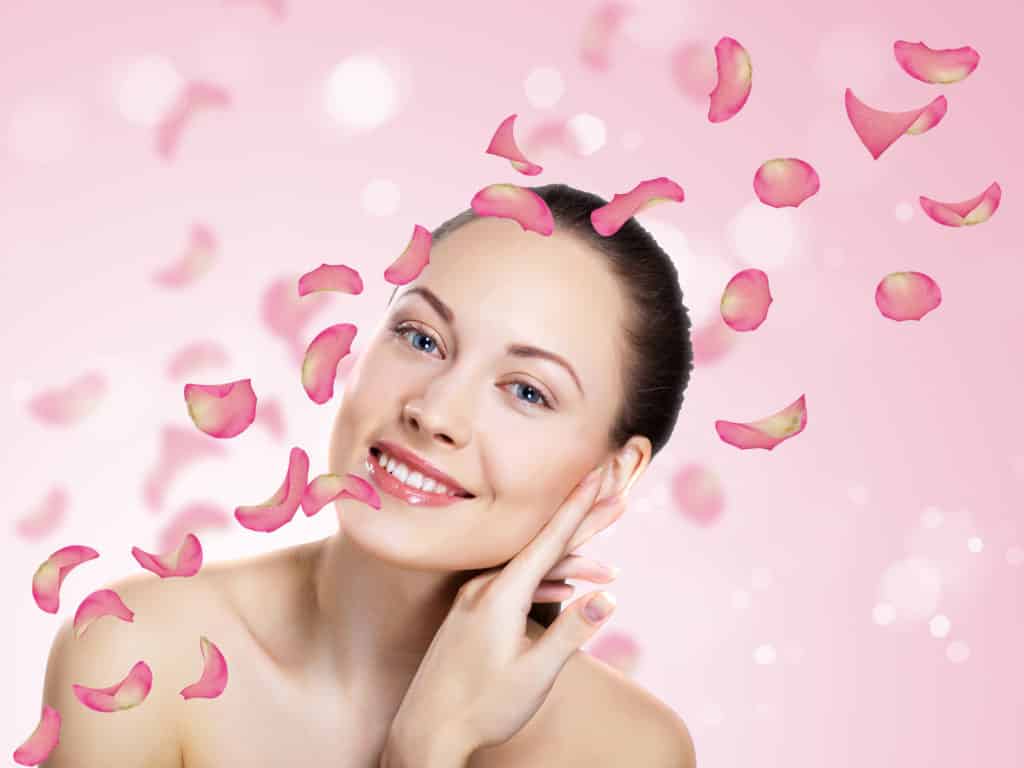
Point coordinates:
[[413, 479]]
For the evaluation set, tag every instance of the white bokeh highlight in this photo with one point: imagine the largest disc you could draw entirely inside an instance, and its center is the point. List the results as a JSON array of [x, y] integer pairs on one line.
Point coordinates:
[[765, 654], [587, 133], [913, 587], [958, 652], [146, 88], [904, 211], [544, 87], [361, 92], [939, 625], [765, 237]]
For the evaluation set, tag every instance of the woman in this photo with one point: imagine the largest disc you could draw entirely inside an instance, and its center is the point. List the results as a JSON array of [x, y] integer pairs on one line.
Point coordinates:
[[323, 639]]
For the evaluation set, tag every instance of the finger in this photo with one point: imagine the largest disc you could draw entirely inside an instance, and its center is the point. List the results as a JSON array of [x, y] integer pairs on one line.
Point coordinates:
[[579, 567], [524, 572], [553, 592], [546, 656]]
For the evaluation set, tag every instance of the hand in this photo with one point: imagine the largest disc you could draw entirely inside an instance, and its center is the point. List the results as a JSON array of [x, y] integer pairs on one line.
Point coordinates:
[[481, 679]]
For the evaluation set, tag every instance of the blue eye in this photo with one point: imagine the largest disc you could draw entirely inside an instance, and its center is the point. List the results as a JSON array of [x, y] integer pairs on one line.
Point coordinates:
[[405, 328]]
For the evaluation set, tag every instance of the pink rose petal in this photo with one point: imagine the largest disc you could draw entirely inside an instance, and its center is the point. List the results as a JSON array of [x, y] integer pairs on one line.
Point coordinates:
[[785, 181], [503, 144], [196, 356], [194, 263], [734, 78], [128, 693], [929, 65], [326, 488], [965, 213], [698, 495], [711, 341], [197, 515], [414, 258], [767, 432], [45, 518], [102, 602], [510, 201], [221, 410], [69, 405], [286, 314], [44, 738], [745, 300], [179, 447], [214, 678], [598, 31], [694, 70], [553, 133], [331, 277], [270, 414], [878, 129], [609, 218], [616, 649], [195, 97], [281, 507], [50, 575], [320, 367], [186, 560], [907, 295]]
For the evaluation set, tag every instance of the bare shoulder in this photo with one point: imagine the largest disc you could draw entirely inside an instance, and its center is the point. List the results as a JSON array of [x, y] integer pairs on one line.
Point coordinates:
[[635, 726], [595, 716]]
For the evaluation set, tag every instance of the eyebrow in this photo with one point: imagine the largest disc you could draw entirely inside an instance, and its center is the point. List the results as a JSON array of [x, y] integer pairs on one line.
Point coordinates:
[[517, 350]]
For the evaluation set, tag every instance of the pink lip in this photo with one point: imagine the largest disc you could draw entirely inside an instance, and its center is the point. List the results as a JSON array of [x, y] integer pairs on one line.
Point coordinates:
[[415, 462], [391, 486]]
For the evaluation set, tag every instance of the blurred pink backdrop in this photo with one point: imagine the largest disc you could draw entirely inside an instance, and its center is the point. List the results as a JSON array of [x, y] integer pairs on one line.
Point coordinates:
[[856, 598]]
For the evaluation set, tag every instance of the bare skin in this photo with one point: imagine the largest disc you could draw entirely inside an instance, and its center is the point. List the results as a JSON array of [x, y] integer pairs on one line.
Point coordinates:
[[277, 708]]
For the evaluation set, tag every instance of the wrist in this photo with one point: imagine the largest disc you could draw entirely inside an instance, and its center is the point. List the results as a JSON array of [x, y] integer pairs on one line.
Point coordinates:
[[437, 749]]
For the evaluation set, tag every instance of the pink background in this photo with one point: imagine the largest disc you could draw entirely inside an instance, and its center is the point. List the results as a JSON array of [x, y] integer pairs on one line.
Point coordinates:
[[857, 602]]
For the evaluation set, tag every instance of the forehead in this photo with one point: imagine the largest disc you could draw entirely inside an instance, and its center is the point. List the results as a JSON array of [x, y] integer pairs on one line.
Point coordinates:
[[510, 285]]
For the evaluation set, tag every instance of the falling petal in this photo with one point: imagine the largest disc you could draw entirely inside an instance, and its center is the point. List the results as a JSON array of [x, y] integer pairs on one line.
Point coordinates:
[[694, 70], [44, 738], [102, 602], [510, 201], [221, 410], [193, 98], [179, 447], [414, 258], [598, 31], [734, 78], [194, 263], [324, 489], [785, 181], [878, 129], [331, 277], [746, 299], [549, 133], [214, 678], [67, 406], [609, 218], [711, 341], [50, 575], [930, 65], [907, 295], [186, 560], [128, 693], [195, 357], [698, 494], [286, 314], [281, 507], [45, 518], [767, 432], [616, 649], [270, 414], [321, 364], [976, 210], [503, 144], [195, 516]]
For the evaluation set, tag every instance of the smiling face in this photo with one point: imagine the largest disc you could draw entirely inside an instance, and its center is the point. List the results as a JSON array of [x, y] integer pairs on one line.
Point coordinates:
[[451, 392]]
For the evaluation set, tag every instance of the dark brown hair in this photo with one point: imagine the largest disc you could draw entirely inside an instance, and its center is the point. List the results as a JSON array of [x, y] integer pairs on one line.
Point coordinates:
[[656, 338]]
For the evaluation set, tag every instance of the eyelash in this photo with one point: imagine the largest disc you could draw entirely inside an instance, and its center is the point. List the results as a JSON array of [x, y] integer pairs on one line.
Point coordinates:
[[405, 327]]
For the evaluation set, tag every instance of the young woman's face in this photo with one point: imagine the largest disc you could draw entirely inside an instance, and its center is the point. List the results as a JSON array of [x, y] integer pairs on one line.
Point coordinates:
[[514, 431]]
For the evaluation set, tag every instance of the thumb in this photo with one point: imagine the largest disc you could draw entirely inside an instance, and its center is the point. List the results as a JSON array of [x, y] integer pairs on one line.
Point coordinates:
[[574, 626]]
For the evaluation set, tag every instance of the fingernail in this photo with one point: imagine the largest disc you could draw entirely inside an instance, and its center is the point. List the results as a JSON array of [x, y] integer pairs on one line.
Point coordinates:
[[599, 607]]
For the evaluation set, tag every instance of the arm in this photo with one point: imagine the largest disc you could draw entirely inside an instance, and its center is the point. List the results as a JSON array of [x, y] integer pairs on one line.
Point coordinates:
[[143, 735]]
